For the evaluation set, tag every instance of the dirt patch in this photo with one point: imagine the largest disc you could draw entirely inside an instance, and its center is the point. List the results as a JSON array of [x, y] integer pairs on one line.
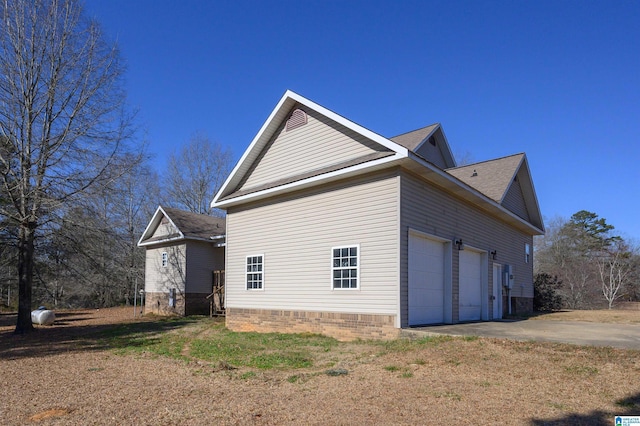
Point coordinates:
[[62, 376]]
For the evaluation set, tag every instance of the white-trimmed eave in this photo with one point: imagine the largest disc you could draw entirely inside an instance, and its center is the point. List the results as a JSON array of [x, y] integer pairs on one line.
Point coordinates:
[[273, 122], [213, 240], [466, 192], [163, 241], [358, 169], [153, 225]]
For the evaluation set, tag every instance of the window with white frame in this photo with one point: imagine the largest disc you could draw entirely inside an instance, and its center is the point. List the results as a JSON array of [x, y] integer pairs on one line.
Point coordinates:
[[527, 253], [165, 259], [255, 272], [344, 267]]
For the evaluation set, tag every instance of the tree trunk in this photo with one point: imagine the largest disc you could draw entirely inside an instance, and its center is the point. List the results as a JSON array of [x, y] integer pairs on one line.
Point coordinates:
[[25, 280]]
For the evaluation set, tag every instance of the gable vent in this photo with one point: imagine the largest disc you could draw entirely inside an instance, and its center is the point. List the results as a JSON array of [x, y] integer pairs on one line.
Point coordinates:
[[298, 118]]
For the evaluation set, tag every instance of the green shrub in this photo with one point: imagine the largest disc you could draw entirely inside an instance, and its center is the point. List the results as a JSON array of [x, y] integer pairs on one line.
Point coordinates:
[[545, 293]]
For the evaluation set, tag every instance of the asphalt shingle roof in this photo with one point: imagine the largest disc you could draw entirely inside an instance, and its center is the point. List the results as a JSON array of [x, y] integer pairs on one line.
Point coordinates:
[[194, 225], [412, 139], [492, 178]]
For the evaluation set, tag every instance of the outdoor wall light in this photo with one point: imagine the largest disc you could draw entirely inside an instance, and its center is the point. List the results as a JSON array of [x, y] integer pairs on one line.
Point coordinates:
[[494, 254], [458, 243]]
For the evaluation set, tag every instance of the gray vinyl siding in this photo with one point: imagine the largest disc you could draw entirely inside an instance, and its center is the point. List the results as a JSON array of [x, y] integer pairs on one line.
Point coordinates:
[[202, 259], [432, 154], [514, 200], [159, 279], [432, 211], [319, 143], [295, 234], [163, 230]]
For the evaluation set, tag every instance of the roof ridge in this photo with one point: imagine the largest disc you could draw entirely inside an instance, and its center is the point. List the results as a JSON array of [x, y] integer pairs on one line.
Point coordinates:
[[486, 161], [415, 130]]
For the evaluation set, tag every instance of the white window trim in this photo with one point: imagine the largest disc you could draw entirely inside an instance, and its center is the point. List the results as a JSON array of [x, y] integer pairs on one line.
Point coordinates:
[[357, 288], [246, 273], [164, 259]]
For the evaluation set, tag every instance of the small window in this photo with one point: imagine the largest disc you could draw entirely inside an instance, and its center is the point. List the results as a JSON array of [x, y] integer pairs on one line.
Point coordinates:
[[345, 267], [165, 259], [527, 253], [255, 272]]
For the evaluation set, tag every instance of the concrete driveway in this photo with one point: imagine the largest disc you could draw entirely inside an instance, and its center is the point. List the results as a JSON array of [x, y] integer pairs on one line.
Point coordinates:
[[626, 336]]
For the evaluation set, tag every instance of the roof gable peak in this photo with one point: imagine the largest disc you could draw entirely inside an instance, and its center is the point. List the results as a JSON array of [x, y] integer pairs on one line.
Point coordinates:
[[278, 118]]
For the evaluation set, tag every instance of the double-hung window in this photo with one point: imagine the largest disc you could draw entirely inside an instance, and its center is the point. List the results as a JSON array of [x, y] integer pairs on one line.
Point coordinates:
[[345, 267], [165, 259], [255, 272]]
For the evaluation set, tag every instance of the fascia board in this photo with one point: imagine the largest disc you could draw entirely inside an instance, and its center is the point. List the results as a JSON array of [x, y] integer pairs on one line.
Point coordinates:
[[257, 143], [266, 132], [149, 225], [511, 179], [532, 188], [160, 242], [312, 181], [153, 224], [466, 188], [183, 238]]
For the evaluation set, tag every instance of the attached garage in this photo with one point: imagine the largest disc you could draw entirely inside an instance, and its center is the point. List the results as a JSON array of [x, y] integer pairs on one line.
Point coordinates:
[[471, 285], [427, 279]]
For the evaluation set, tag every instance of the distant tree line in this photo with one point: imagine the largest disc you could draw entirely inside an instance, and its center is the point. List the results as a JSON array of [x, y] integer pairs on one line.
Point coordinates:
[[76, 187], [85, 253], [582, 264]]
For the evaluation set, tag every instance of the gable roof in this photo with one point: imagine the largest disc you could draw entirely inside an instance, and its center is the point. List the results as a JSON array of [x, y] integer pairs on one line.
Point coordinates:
[[494, 178], [491, 177], [186, 226], [401, 152], [278, 116], [415, 139]]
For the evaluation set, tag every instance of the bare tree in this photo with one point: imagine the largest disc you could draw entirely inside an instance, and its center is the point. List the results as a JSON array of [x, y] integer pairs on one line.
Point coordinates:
[[195, 174], [615, 267], [61, 114]]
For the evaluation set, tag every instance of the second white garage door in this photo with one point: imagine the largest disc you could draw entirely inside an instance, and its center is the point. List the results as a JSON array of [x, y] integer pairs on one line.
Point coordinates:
[[470, 295], [426, 280]]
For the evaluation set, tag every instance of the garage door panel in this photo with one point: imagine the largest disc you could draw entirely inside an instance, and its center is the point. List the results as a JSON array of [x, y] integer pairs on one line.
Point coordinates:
[[426, 281]]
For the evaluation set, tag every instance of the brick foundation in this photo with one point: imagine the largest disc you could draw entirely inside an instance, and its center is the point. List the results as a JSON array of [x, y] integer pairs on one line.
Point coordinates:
[[334, 324], [186, 304]]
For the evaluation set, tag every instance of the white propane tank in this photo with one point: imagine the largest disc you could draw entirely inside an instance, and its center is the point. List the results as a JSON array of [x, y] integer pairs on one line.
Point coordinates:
[[43, 316]]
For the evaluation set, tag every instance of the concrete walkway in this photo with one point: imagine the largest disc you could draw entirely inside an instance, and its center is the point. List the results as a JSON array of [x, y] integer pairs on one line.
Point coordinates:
[[625, 336]]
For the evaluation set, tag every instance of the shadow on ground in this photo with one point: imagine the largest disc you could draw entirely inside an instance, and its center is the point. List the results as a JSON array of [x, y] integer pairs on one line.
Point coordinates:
[[629, 406], [67, 337]]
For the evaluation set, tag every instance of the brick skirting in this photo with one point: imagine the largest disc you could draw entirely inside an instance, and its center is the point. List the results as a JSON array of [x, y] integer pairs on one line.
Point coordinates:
[[186, 304], [334, 324]]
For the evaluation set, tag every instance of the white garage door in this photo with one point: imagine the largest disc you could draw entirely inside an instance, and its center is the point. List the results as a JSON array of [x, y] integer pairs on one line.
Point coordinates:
[[470, 286], [426, 281]]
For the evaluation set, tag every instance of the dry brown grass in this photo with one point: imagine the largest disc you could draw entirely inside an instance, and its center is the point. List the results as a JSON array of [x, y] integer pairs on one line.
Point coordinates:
[[61, 375], [612, 316]]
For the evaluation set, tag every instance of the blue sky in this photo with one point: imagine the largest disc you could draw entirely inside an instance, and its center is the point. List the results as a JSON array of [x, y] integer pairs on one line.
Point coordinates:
[[559, 80]]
